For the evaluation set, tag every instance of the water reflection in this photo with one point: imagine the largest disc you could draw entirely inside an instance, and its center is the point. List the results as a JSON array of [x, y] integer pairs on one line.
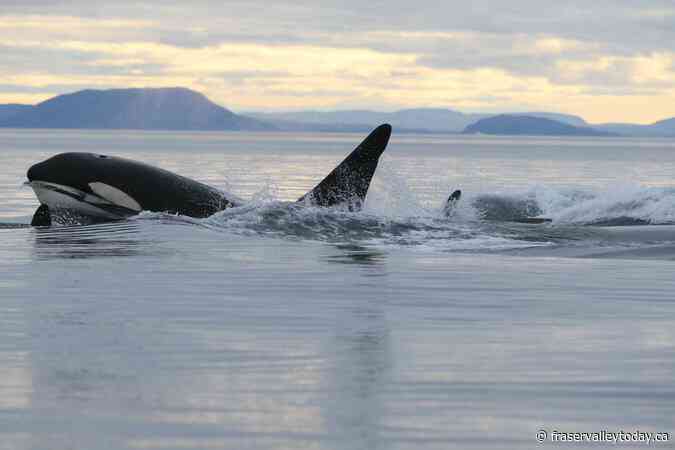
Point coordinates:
[[15, 381], [13, 226], [352, 407], [353, 254], [91, 241], [354, 385]]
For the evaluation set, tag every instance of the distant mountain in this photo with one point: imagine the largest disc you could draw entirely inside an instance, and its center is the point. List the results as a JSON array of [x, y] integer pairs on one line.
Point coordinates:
[[423, 119], [434, 120], [184, 109], [667, 125], [663, 128], [12, 109], [506, 124], [145, 109], [569, 119]]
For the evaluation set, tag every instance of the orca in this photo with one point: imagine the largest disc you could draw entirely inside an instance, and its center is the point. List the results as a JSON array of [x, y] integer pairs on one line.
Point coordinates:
[[107, 188], [499, 209]]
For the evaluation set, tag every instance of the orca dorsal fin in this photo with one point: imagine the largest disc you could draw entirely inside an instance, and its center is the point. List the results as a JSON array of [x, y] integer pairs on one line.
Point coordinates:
[[348, 183], [455, 196], [449, 206]]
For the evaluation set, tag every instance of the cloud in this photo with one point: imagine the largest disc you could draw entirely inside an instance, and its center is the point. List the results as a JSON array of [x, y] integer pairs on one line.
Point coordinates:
[[279, 54]]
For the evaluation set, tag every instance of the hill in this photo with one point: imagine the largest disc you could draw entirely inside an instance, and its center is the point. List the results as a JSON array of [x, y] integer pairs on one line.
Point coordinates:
[[12, 109], [662, 128], [184, 109], [435, 120], [144, 109], [526, 125]]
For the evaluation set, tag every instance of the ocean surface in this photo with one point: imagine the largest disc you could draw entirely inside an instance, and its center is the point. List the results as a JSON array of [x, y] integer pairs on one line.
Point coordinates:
[[275, 326]]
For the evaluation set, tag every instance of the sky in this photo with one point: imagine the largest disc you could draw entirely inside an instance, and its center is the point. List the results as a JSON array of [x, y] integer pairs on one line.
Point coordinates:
[[607, 61]]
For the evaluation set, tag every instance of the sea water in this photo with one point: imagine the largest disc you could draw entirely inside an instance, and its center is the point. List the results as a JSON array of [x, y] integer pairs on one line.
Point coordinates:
[[274, 326]]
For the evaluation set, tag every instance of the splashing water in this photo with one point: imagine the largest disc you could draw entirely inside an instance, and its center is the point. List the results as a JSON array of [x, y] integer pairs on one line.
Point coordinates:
[[394, 216]]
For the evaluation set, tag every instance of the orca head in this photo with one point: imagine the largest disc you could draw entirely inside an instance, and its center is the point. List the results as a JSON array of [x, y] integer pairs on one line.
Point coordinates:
[[75, 170], [74, 181]]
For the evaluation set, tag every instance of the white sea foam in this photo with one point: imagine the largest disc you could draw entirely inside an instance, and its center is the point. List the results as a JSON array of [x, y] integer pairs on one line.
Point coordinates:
[[614, 204]]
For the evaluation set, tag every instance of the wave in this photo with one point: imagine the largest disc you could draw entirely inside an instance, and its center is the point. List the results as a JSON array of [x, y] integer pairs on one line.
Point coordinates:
[[617, 205], [394, 216], [286, 220]]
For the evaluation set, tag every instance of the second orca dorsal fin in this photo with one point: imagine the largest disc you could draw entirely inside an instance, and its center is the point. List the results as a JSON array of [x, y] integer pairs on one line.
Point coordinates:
[[451, 202], [348, 183], [455, 196]]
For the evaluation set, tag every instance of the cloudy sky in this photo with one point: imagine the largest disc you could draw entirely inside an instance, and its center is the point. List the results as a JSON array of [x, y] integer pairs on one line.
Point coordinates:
[[606, 60]]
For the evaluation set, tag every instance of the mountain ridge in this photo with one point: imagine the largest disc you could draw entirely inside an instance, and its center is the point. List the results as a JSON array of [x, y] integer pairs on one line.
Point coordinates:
[[436, 120], [180, 108], [132, 108], [11, 109], [523, 125]]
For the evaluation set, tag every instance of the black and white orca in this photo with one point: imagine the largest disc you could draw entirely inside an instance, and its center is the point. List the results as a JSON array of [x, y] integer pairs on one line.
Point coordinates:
[[107, 188]]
